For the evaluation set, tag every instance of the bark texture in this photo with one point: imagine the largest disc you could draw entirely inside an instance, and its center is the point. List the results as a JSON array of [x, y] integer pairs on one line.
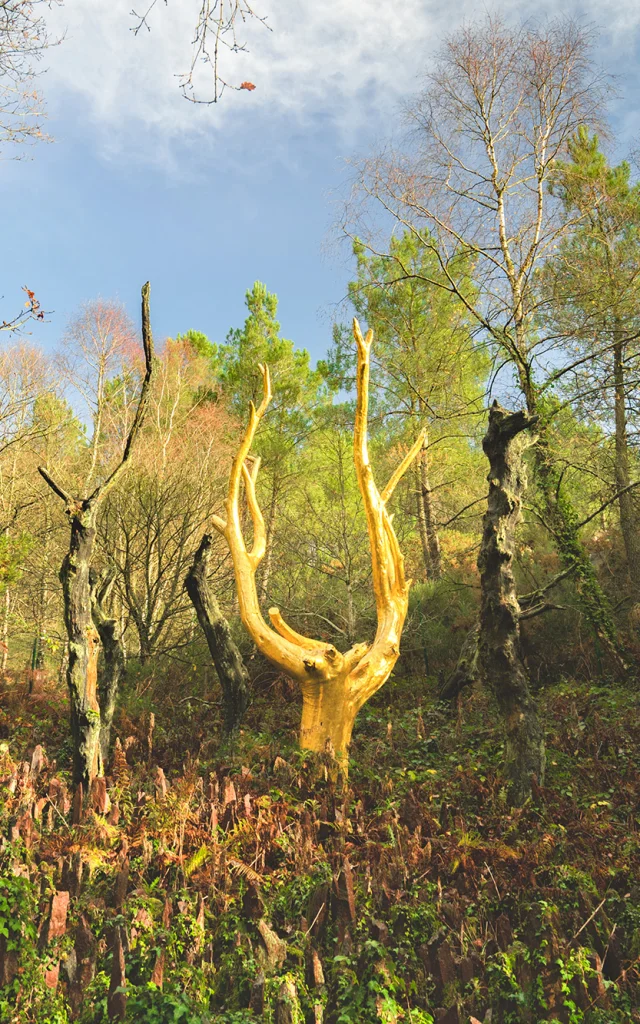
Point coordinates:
[[499, 640], [82, 666], [232, 672], [113, 659]]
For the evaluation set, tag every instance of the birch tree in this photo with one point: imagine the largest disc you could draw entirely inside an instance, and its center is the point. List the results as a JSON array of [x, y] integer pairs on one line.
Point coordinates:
[[500, 108]]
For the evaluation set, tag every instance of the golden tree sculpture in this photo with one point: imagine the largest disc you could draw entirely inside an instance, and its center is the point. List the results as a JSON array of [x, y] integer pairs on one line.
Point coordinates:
[[334, 685]]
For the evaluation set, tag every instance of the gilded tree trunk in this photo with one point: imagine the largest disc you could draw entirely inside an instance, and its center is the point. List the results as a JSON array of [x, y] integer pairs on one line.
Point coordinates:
[[627, 502], [334, 685], [82, 667], [113, 659], [232, 672], [328, 716], [499, 639]]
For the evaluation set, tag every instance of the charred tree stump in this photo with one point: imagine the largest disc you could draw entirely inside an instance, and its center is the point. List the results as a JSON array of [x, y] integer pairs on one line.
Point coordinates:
[[82, 667], [113, 656], [227, 659], [499, 639]]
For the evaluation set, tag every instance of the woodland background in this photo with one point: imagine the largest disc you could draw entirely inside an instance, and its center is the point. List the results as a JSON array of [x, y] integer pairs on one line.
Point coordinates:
[[226, 875]]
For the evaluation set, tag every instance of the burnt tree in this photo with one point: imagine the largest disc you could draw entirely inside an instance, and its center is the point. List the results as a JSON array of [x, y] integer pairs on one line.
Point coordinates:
[[82, 668], [227, 659], [499, 657]]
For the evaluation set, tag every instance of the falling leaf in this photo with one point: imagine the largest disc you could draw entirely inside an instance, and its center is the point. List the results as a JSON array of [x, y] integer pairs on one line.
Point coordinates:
[[249, 86]]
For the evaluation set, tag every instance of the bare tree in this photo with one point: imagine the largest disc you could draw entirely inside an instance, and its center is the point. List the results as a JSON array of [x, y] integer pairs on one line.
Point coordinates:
[[152, 525], [23, 381], [94, 345], [82, 673], [23, 41], [500, 107]]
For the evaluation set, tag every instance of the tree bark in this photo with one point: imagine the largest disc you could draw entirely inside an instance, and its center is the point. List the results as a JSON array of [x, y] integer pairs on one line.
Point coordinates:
[[82, 667], [627, 501], [113, 662], [499, 639], [232, 672]]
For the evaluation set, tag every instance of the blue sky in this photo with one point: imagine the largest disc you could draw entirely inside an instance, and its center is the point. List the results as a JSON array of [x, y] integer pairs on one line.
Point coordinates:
[[139, 184]]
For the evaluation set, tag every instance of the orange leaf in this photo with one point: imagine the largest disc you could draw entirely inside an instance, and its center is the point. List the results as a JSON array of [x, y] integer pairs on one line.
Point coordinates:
[[248, 85]]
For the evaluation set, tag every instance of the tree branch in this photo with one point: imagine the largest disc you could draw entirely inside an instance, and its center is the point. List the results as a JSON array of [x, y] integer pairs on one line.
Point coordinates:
[[56, 488], [610, 501]]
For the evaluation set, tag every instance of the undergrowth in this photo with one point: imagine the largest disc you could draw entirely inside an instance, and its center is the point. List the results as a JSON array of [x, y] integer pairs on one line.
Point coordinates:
[[243, 883]]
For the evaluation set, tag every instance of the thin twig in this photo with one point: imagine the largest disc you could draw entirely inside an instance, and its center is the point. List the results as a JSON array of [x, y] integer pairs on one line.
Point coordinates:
[[588, 921]]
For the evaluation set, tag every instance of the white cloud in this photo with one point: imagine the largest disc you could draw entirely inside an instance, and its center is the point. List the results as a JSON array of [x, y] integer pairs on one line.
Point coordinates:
[[345, 61]]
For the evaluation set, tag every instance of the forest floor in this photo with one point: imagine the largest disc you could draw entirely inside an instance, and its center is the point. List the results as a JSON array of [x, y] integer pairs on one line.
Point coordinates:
[[239, 884]]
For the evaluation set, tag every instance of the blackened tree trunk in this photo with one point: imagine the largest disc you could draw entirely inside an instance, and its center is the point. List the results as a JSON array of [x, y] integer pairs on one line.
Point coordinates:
[[499, 640], [82, 667], [232, 673], [113, 657], [83, 640]]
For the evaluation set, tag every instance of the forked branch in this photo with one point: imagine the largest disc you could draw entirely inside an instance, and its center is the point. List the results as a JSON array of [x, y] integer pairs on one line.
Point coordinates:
[[76, 505], [389, 582], [305, 658]]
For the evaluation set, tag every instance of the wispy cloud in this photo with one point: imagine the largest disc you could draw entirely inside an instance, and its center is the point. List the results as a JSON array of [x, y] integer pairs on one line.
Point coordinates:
[[347, 62]]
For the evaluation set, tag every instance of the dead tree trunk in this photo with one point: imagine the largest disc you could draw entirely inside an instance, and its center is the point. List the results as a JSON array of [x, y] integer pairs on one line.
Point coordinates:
[[82, 668], [113, 662], [232, 672], [499, 640]]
